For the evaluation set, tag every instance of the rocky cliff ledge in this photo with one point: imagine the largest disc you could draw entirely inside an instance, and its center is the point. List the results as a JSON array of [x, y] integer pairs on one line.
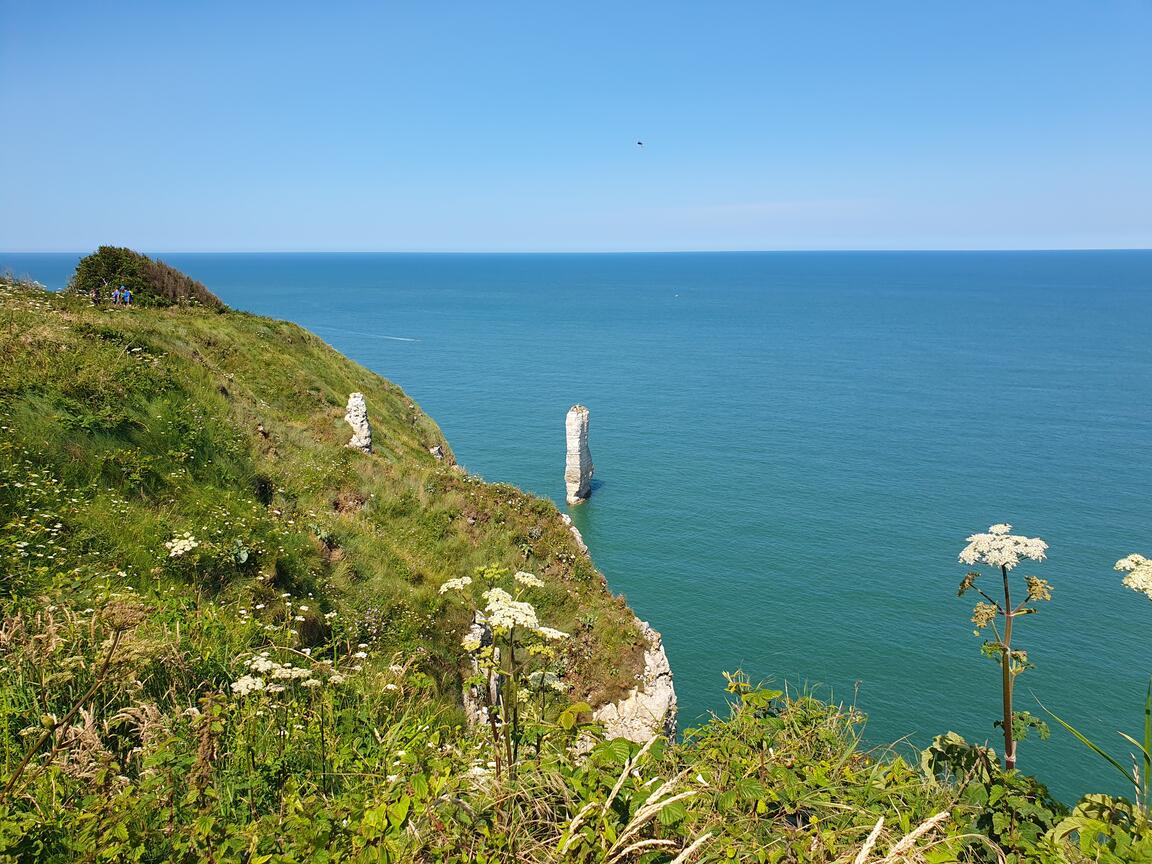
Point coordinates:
[[578, 468], [650, 709]]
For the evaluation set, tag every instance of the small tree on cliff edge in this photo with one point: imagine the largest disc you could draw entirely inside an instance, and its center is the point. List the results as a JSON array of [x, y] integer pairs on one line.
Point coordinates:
[[1002, 550], [153, 283]]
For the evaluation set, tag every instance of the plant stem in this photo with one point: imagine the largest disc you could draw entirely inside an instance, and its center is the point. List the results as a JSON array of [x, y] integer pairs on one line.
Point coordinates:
[[1006, 669], [51, 730], [491, 701]]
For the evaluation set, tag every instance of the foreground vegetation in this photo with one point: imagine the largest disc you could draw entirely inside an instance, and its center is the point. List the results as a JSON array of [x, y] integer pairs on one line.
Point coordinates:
[[227, 637]]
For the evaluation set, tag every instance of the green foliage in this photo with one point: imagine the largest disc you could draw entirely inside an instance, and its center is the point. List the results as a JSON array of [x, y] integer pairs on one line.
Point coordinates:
[[1107, 830], [1011, 809], [153, 283]]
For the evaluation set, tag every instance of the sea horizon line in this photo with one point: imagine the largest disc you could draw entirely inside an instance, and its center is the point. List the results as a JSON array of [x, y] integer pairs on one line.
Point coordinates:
[[464, 252]]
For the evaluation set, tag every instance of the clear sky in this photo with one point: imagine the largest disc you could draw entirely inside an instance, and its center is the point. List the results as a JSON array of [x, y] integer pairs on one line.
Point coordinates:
[[250, 125]]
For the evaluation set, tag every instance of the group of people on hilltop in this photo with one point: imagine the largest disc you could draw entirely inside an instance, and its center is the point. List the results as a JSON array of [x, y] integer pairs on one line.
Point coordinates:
[[121, 295]]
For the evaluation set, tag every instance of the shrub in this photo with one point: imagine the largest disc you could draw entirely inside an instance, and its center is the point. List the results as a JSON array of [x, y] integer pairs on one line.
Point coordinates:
[[153, 283]]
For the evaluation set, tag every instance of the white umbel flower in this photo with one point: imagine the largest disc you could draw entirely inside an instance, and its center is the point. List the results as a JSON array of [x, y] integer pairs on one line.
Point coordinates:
[[247, 684], [456, 584], [504, 613], [181, 545], [998, 548], [1139, 570], [529, 579]]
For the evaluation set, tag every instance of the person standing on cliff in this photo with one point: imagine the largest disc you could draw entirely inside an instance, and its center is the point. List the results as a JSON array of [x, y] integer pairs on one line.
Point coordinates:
[[126, 295]]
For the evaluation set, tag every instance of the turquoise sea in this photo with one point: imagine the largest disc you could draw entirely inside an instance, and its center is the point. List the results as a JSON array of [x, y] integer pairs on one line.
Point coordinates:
[[790, 449]]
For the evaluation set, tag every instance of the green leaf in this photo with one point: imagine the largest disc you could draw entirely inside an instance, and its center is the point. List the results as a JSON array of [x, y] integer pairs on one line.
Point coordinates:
[[619, 749], [398, 811], [420, 786], [570, 716], [750, 789], [673, 813]]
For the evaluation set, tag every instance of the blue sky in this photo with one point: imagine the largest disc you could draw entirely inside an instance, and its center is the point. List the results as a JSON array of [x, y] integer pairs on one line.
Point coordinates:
[[247, 125]]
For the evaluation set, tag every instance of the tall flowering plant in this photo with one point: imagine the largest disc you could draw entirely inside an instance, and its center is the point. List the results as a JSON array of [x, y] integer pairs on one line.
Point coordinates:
[[1002, 550], [514, 656]]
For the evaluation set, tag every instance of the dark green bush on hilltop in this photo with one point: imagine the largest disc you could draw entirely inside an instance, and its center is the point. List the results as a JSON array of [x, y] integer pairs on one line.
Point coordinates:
[[153, 283]]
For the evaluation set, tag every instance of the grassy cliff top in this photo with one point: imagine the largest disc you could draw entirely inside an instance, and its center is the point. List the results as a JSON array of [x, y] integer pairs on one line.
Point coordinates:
[[125, 428]]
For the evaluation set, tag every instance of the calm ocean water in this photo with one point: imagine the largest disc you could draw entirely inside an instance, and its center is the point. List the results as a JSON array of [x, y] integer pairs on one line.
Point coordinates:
[[791, 448]]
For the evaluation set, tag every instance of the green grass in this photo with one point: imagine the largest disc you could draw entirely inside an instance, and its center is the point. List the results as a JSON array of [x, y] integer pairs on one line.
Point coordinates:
[[152, 422]]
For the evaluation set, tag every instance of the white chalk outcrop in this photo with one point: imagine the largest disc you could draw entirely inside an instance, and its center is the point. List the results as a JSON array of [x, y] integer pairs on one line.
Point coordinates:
[[576, 535], [357, 417], [578, 468], [476, 702], [650, 709]]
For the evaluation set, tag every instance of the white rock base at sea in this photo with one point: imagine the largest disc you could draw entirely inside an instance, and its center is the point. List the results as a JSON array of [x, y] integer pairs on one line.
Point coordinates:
[[357, 417], [576, 535], [578, 467], [650, 709]]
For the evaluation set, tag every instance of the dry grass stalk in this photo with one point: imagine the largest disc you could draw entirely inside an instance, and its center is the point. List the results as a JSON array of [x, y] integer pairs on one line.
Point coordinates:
[[866, 849], [629, 764], [80, 748], [687, 854], [576, 823], [909, 840], [644, 815]]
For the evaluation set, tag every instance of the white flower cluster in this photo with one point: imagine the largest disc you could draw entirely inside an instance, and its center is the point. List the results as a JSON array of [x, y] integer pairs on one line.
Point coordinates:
[[529, 579], [998, 548], [456, 584], [1139, 570], [504, 613], [181, 544], [278, 672], [247, 684]]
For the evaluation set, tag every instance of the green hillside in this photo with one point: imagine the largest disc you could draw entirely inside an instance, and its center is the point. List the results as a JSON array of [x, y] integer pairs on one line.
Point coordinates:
[[226, 636], [129, 427]]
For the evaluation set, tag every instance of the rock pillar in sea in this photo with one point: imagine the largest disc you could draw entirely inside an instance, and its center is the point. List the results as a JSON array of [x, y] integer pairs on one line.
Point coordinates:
[[578, 468], [357, 417]]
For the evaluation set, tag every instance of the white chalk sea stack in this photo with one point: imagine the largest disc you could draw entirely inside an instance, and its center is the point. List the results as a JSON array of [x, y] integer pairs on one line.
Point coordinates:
[[357, 417], [578, 468]]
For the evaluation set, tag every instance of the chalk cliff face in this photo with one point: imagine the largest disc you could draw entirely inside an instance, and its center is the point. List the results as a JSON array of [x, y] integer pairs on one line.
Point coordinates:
[[578, 468], [647, 711], [650, 709], [576, 535], [357, 417]]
